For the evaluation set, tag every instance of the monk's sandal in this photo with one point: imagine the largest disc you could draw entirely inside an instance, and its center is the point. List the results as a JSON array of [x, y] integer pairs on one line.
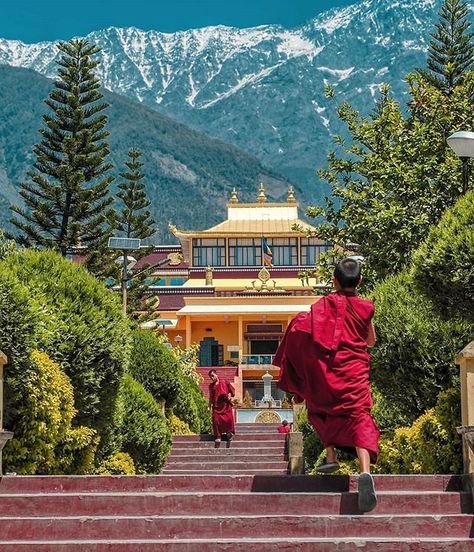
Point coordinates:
[[367, 498], [327, 467]]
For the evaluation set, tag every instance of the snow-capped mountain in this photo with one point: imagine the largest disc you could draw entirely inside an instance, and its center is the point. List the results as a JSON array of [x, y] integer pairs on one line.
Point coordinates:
[[262, 88]]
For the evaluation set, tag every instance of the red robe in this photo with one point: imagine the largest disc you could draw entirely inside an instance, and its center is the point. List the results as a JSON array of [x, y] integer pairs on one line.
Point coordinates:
[[323, 359], [222, 411], [284, 429]]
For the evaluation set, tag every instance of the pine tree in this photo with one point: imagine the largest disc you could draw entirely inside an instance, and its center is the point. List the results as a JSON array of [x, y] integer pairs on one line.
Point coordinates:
[[132, 219], [67, 196], [451, 50]]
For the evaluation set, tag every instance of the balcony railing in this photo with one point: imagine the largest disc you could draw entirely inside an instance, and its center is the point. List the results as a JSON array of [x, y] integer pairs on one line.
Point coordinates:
[[255, 360]]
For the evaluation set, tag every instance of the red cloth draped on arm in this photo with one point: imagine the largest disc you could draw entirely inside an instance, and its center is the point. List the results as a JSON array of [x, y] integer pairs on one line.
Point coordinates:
[[323, 360], [222, 411]]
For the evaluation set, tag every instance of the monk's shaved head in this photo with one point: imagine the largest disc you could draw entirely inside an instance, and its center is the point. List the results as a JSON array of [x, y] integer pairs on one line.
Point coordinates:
[[347, 273]]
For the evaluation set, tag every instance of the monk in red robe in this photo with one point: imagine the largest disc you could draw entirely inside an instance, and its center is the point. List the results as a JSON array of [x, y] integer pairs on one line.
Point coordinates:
[[220, 401], [323, 360]]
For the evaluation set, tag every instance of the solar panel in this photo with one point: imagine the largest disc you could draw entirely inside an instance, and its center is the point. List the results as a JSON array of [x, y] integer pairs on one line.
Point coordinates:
[[124, 243]]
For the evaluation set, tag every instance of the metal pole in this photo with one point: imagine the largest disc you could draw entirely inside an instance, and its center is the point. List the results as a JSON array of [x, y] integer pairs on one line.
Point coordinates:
[[124, 282], [465, 174]]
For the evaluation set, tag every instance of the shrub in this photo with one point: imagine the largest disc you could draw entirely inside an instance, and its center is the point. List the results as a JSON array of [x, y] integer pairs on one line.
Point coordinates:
[[77, 453], [386, 413], [430, 445], [146, 435], [178, 427], [119, 463], [80, 324], [155, 367], [413, 360], [443, 266], [186, 409], [42, 426], [312, 446]]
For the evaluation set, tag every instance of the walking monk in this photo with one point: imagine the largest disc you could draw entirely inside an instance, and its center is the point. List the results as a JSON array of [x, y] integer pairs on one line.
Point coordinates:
[[323, 360], [220, 400]]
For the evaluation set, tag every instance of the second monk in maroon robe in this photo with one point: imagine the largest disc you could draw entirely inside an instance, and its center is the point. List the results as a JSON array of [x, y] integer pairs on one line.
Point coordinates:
[[222, 410]]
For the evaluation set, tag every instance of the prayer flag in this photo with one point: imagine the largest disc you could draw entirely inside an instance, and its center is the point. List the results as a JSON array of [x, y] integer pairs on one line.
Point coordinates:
[[267, 254]]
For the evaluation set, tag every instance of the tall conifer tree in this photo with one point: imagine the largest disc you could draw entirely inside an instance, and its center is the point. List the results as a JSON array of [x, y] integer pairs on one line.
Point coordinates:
[[451, 50], [133, 220], [67, 196]]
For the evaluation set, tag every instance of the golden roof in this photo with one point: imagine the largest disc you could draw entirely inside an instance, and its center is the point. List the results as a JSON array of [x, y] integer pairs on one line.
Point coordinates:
[[263, 227]]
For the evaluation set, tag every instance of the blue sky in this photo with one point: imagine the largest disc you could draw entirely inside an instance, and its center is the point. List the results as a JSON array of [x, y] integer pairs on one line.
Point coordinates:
[[36, 20]]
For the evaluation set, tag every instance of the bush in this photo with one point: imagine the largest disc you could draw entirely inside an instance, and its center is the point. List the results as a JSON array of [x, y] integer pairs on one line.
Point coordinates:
[[430, 445], [155, 367], [146, 435], [80, 324], [192, 407], [178, 427], [186, 408], [413, 360], [386, 413], [443, 266], [42, 426], [312, 446], [119, 463], [77, 453]]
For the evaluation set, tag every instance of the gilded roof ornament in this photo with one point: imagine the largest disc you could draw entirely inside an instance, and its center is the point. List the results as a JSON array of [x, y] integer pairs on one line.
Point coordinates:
[[291, 195], [262, 198], [233, 197]]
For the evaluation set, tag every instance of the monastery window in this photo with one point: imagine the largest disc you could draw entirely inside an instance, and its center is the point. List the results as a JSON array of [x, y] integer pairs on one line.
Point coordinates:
[[245, 252], [209, 252], [311, 249], [285, 251]]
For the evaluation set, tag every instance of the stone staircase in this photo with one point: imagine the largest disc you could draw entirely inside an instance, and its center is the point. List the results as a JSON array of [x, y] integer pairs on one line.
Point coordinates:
[[180, 513], [256, 449], [237, 499]]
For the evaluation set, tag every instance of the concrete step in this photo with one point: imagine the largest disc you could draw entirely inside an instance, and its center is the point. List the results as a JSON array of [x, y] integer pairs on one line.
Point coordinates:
[[258, 436], [221, 503], [236, 443], [212, 452], [223, 471], [244, 545], [257, 432], [242, 483], [228, 464], [236, 526], [224, 457]]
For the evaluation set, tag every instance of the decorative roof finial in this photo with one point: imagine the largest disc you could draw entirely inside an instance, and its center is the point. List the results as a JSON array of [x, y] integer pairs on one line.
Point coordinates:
[[233, 197], [262, 198], [291, 195]]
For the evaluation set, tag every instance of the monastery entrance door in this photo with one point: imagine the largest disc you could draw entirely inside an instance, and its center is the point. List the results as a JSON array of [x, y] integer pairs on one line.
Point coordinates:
[[211, 352]]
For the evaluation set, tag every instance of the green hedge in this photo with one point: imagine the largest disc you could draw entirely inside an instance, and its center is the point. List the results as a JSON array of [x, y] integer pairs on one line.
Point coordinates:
[[443, 267], [44, 411], [145, 431], [155, 367], [80, 324], [413, 360], [192, 407], [120, 463], [430, 444]]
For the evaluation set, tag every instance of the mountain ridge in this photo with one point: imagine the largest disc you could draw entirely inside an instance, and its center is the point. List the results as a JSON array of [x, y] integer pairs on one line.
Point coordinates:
[[188, 176], [262, 88]]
